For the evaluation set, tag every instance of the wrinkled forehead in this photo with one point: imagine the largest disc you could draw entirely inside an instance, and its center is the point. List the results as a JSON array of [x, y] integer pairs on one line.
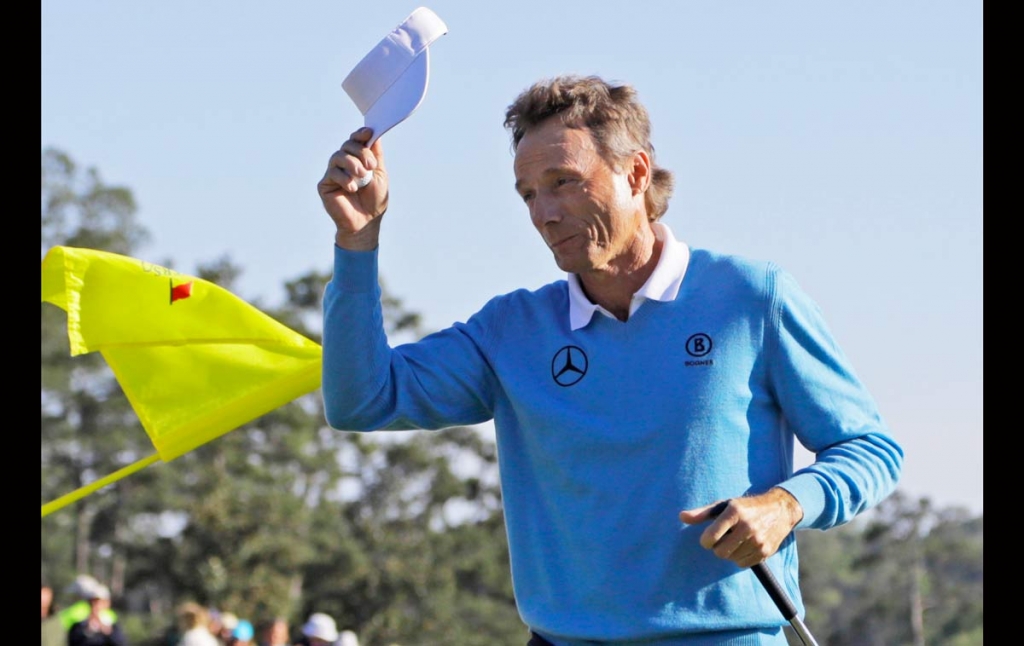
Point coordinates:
[[553, 145], [553, 132]]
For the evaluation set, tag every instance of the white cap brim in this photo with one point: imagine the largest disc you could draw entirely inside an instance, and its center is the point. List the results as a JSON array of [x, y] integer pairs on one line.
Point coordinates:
[[325, 633], [390, 82]]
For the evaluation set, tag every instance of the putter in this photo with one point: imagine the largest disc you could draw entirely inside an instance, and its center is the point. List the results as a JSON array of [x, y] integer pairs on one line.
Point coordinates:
[[775, 591]]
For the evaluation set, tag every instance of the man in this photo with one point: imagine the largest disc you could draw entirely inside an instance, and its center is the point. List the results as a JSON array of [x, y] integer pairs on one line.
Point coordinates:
[[194, 623], [242, 634], [222, 625], [274, 633], [100, 627], [652, 383], [320, 629], [53, 631]]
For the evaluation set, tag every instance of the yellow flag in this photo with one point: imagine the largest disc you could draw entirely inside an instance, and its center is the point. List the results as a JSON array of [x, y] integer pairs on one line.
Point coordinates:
[[194, 360]]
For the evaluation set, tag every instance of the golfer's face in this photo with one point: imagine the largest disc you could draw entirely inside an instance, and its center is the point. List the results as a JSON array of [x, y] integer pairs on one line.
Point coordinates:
[[581, 206]]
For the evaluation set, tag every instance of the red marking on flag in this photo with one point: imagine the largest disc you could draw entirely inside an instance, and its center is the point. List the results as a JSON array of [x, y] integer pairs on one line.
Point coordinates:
[[181, 291]]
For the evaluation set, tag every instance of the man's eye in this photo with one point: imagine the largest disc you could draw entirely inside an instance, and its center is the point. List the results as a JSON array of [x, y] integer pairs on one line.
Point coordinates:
[[562, 181], [527, 197]]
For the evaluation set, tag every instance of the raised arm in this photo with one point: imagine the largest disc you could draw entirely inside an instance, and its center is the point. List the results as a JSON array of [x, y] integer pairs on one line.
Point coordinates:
[[442, 380]]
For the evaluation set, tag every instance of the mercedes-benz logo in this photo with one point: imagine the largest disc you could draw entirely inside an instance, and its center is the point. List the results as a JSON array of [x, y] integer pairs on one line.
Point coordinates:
[[569, 365]]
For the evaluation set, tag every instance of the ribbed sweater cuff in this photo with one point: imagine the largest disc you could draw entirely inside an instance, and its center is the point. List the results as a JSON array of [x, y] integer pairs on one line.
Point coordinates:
[[806, 488], [355, 271]]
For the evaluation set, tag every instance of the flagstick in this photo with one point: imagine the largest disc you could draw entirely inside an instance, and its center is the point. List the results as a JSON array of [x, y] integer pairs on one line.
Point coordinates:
[[82, 492]]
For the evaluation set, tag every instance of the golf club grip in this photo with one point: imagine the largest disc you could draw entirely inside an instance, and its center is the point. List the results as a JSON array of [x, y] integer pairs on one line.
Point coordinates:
[[775, 591], [765, 576]]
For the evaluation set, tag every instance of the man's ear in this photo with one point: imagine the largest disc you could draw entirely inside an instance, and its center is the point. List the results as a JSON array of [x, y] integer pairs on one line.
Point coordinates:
[[640, 172]]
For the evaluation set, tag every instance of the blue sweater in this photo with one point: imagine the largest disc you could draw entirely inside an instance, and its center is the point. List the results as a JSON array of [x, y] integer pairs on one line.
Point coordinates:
[[605, 433]]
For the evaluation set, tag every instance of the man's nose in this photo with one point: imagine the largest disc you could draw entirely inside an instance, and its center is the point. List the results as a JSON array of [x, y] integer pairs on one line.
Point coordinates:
[[545, 211]]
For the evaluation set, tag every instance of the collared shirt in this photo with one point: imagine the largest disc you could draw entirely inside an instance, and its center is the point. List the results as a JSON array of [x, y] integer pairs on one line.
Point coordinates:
[[662, 285]]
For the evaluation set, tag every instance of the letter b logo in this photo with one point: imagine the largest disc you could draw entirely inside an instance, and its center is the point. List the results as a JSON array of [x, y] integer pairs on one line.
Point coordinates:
[[698, 345]]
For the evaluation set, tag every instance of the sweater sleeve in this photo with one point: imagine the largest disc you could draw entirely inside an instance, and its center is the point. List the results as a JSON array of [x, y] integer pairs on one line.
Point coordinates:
[[439, 381], [830, 411]]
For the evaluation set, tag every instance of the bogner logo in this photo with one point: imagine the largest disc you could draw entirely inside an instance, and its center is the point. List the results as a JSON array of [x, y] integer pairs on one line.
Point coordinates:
[[699, 346], [569, 365]]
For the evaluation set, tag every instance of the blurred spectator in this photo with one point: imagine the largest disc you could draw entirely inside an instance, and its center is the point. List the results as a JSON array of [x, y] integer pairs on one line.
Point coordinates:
[[46, 595], [215, 625], [54, 632], [82, 589], [194, 624], [224, 626], [275, 633], [243, 634], [319, 630], [100, 627], [348, 638]]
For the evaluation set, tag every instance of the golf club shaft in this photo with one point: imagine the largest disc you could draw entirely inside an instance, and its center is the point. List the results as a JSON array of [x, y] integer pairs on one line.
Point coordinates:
[[775, 591]]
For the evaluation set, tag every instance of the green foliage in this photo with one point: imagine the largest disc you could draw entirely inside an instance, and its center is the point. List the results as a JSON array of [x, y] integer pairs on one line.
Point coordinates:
[[79, 210], [904, 574]]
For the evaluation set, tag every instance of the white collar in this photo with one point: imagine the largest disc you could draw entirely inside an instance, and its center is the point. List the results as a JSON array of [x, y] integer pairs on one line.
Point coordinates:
[[662, 285]]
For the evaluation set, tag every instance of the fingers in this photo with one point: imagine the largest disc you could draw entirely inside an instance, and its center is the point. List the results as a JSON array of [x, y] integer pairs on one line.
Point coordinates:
[[734, 534], [719, 535], [739, 544], [372, 157], [336, 179], [354, 191], [351, 167], [723, 535], [698, 515]]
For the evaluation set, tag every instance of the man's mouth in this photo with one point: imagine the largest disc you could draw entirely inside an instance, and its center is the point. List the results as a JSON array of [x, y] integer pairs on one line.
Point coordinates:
[[555, 245]]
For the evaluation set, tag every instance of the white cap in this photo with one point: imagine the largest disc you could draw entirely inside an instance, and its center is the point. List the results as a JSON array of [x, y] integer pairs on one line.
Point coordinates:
[[391, 81], [321, 626], [86, 587]]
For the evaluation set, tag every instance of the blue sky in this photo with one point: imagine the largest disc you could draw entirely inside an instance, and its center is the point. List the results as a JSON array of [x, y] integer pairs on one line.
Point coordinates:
[[841, 140]]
